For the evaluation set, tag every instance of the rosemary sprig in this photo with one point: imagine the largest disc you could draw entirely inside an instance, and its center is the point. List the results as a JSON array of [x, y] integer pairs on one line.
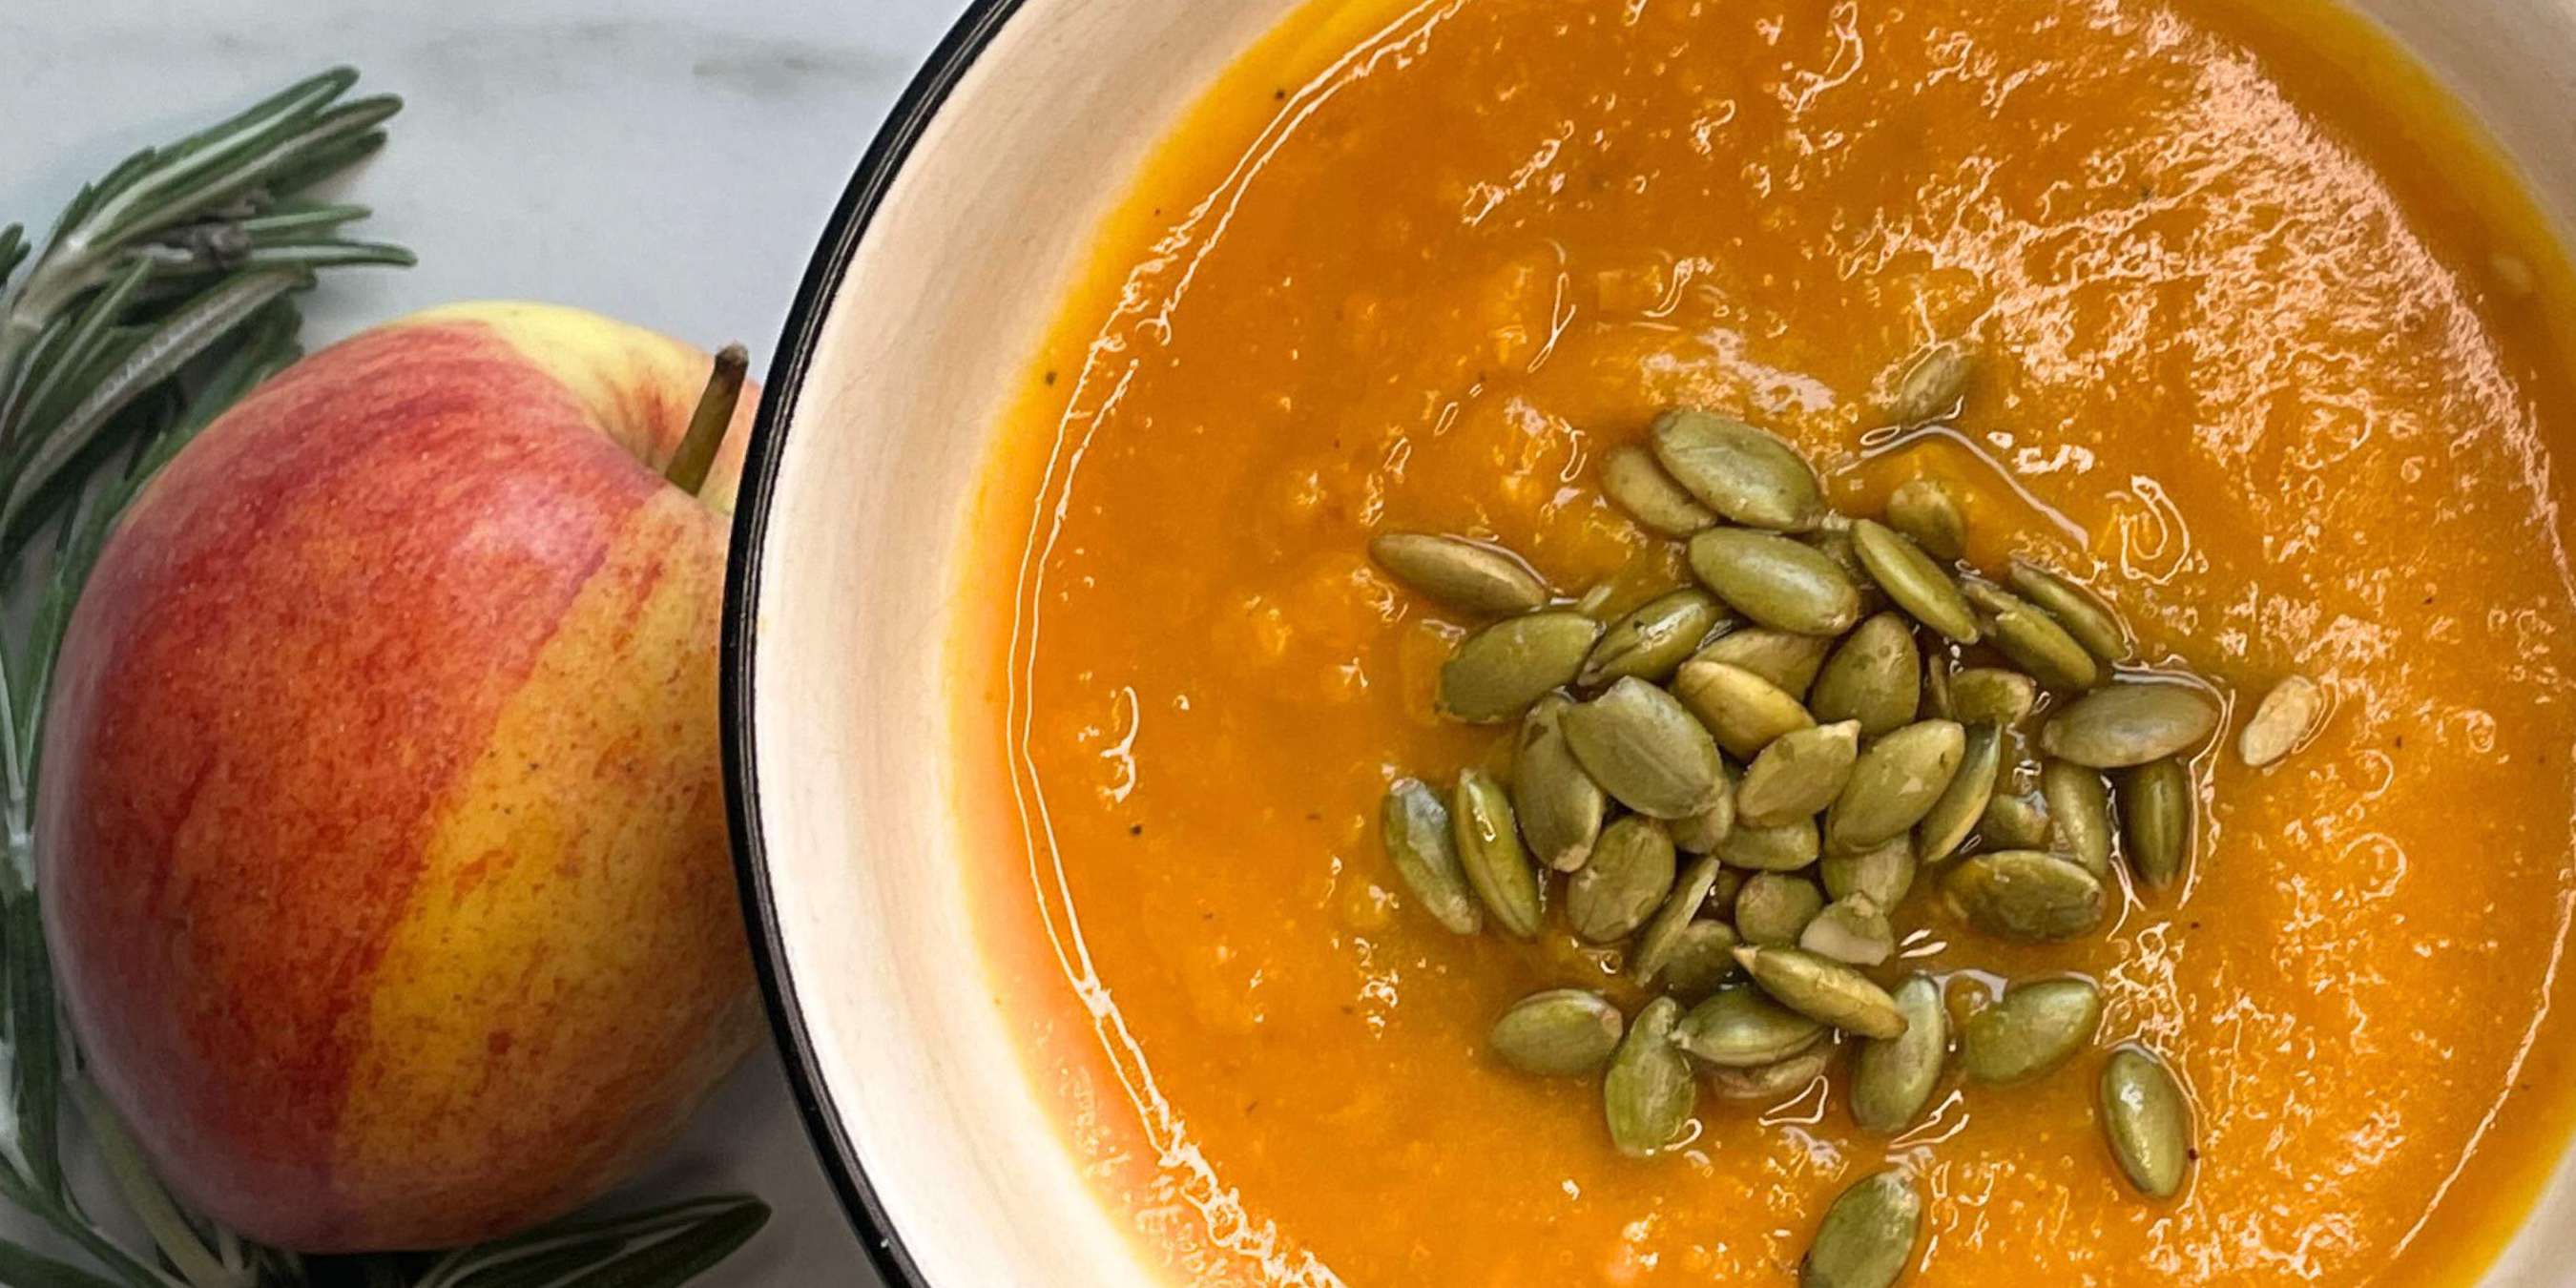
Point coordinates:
[[164, 294]]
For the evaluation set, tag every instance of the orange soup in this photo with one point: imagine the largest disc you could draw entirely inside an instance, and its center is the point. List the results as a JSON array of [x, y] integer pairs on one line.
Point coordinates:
[[2267, 359]]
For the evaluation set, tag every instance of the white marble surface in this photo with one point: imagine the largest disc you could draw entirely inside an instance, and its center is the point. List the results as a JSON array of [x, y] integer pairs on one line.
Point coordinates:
[[667, 162]]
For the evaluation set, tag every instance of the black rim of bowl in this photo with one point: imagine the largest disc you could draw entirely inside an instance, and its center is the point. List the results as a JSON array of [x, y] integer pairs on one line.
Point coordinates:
[[895, 140]]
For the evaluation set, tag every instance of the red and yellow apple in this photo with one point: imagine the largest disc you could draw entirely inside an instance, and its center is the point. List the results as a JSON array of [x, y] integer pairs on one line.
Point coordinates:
[[389, 890]]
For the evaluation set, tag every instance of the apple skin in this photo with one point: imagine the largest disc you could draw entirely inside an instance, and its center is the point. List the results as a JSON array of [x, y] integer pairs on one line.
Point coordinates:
[[389, 889]]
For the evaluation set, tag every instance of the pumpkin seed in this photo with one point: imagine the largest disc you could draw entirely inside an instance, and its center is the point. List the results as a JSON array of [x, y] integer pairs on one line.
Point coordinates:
[[1835, 542], [2129, 724], [1882, 872], [1741, 1028], [1914, 580], [1415, 827], [1798, 774], [1787, 659], [2036, 1027], [1875, 676], [1559, 806], [1649, 1093], [1651, 641], [1928, 511], [1937, 672], [1933, 385], [1729, 884], [2033, 640], [1894, 784], [1893, 1079], [1992, 695], [1645, 749], [1742, 473], [1497, 672], [1662, 936], [1955, 814], [1490, 853], [1744, 711], [1785, 848], [1775, 1081], [1559, 1033], [1774, 908], [1637, 485], [1629, 876], [2080, 611], [1470, 576], [2025, 896], [2015, 822], [1851, 930], [2281, 721], [1867, 1238], [2157, 801], [1823, 990], [1776, 581], [2148, 1121], [2079, 812], [1702, 958], [1703, 832]]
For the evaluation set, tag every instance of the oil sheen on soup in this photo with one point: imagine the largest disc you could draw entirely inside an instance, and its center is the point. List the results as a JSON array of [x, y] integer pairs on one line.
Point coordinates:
[[2270, 365]]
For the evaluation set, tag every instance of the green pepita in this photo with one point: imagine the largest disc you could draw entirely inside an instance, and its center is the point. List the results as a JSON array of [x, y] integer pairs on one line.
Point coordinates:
[[1470, 576], [2079, 813], [1639, 486], [1497, 672], [2025, 896], [1930, 512], [1648, 1094], [1742, 1028], [1630, 875], [1662, 936], [1875, 677], [1490, 853], [1883, 872], [1742, 710], [1702, 958], [1415, 827], [1559, 807], [2036, 1027], [2033, 640], [1933, 384], [2148, 1122], [1787, 659], [2016, 821], [1653, 640], [1937, 672], [1647, 751], [1559, 1033], [1776, 581], [1823, 990], [2080, 611], [2130, 724], [1893, 1079], [1915, 581], [1773, 1082], [2281, 721], [1868, 1235], [2157, 804], [1962, 804], [1799, 774], [1894, 784], [1852, 930], [1774, 908], [1786, 848], [1743, 474], [1703, 832], [1992, 695]]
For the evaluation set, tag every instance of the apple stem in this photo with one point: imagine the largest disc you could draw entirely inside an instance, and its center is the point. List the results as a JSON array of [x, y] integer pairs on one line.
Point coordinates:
[[697, 451]]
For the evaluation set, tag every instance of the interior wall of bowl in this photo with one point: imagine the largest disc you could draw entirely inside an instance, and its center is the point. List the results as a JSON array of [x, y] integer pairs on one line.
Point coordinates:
[[942, 307]]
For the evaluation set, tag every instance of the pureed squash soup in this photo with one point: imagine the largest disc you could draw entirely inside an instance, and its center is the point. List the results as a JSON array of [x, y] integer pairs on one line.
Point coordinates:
[[2263, 354]]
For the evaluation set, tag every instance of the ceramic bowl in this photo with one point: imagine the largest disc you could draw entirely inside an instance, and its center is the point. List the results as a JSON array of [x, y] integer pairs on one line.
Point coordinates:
[[939, 273]]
